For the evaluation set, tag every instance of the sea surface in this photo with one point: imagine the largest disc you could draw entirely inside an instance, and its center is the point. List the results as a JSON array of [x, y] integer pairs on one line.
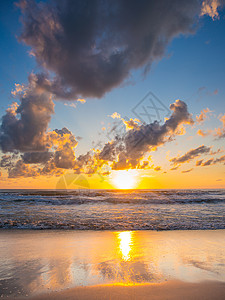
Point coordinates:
[[112, 209]]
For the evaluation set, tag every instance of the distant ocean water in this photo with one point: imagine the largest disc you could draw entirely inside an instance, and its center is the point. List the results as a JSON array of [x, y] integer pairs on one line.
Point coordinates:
[[112, 209]]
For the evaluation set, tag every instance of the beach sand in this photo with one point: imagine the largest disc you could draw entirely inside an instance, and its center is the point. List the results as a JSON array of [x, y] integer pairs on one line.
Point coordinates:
[[53, 264], [158, 291]]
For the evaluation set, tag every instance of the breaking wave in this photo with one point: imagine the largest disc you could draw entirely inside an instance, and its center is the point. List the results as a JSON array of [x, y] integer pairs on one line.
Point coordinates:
[[112, 209]]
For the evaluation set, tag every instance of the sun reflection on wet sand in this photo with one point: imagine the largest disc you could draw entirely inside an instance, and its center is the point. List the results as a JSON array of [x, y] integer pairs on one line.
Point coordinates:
[[33, 262], [125, 243]]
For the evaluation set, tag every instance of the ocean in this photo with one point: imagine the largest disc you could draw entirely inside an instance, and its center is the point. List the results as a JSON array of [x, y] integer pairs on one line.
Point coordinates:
[[112, 209]]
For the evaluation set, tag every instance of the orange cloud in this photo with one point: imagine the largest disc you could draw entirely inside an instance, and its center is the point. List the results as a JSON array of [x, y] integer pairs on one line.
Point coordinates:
[[210, 7], [203, 115]]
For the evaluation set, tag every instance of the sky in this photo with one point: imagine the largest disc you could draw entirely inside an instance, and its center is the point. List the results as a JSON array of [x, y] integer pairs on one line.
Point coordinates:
[[123, 94]]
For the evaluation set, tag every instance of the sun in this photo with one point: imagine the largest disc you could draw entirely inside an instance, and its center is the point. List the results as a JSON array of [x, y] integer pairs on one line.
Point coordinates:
[[124, 179]]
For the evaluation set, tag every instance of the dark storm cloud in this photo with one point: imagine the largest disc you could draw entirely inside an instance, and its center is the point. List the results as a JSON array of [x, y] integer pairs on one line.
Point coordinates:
[[24, 126], [191, 154], [36, 157], [91, 46]]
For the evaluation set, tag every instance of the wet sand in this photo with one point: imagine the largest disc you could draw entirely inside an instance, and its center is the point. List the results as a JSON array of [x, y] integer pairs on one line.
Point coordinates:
[[158, 291], [104, 264]]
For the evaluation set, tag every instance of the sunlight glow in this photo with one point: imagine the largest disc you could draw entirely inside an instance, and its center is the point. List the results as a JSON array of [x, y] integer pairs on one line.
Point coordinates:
[[124, 179], [125, 244]]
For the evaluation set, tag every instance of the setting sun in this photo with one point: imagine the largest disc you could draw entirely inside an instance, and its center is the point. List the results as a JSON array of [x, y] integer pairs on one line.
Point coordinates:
[[124, 179]]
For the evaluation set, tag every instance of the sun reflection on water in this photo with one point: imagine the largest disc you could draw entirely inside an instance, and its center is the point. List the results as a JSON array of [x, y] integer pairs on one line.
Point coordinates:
[[125, 244]]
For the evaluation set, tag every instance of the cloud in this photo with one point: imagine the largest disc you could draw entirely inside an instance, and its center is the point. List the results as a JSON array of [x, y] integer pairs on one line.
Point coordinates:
[[85, 49], [219, 160], [20, 169], [70, 104], [61, 156], [25, 136], [129, 123], [81, 161], [19, 88], [92, 46], [216, 151], [110, 150], [132, 123], [64, 142], [128, 150], [6, 161], [202, 133], [220, 132], [203, 115], [24, 126], [210, 7], [217, 132], [211, 161], [81, 101], [187, 171], [36, 157], [115, 115], [157, 168], [174, 168], [74, 105], [199, 162], [190, 155], [207, 163]]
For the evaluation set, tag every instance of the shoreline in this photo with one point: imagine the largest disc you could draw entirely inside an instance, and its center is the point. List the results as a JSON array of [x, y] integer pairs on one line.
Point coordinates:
[[171, 290], [105, 230]]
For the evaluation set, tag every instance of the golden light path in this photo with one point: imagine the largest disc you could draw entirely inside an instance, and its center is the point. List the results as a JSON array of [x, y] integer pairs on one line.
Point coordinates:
[[125, 179], [125, 243]]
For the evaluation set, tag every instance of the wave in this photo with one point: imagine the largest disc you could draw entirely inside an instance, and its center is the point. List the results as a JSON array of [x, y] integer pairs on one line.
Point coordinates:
[[134, 197], [113, 209], [14, 224]]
